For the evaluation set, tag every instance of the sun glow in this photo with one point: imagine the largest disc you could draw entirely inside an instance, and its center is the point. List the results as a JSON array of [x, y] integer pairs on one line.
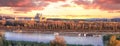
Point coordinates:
[[91, 1]]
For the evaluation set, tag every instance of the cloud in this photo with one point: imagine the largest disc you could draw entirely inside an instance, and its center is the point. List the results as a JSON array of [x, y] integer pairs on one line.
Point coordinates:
[[100, 4], [15, 3], [108, 1], [66, 5], [23, 3], [54, 0], [26, 9], [28, 5]]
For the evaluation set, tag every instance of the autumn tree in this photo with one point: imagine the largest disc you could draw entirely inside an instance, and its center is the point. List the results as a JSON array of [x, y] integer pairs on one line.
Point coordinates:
[[58, 41], [112, 41]]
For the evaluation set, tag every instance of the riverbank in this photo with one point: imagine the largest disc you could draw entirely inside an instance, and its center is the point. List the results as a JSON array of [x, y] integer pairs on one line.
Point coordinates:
[[64, 32], [55, 30], [26, 43]]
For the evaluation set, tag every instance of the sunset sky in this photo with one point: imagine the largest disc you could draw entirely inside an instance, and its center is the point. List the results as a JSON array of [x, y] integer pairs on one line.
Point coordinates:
[[69, 9]]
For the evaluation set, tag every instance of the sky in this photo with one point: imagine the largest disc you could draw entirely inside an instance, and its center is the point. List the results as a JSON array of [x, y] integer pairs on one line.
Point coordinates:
[[68, 9]]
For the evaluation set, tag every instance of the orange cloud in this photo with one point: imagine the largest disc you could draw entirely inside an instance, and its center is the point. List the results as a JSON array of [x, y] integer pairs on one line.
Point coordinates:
[[106, 5]]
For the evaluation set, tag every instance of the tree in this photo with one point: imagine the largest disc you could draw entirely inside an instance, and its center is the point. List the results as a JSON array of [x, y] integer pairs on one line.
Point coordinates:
[[112, 41], [58, 41]]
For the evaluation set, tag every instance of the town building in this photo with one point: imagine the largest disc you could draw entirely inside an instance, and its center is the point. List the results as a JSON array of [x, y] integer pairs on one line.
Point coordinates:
[[39, 17]]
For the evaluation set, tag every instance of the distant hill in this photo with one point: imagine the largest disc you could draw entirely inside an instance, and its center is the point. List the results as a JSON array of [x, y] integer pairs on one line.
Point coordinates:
[[104, 19], [61, 19], [98, 19], [6, 17], [116, 19]]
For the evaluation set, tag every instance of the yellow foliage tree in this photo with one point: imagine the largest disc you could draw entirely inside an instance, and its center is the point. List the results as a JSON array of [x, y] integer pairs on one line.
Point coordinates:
[[112, 41], [58, 41]]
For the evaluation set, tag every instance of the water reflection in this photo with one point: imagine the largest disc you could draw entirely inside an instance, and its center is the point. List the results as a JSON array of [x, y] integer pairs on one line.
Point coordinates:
[[40, 37]]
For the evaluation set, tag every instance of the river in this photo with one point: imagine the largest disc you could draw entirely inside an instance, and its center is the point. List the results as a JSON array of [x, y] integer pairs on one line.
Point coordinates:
[[47, 37]]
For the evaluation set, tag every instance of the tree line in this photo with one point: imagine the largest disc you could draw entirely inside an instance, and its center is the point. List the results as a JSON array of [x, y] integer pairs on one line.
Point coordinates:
[[60, 25]]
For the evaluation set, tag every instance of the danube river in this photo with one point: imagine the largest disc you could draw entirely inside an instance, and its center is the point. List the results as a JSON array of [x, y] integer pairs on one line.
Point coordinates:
[[47, 37]]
